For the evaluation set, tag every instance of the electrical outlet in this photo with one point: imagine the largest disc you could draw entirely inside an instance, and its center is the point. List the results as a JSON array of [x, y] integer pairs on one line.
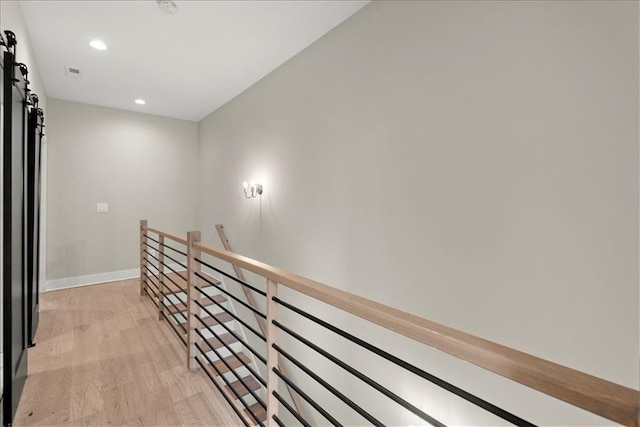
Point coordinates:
[[102, 207]]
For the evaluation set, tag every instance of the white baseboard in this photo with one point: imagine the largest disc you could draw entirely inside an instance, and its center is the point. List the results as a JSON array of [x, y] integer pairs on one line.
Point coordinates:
[[94, 279], [91, 279]]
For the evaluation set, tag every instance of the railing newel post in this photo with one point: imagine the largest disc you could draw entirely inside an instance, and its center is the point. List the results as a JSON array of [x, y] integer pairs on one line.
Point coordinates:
[[143, 258], [272, 354], [161, 307], [193, 266]]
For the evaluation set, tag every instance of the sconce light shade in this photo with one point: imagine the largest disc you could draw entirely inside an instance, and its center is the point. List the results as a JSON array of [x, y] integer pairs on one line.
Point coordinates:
[[252, 189]]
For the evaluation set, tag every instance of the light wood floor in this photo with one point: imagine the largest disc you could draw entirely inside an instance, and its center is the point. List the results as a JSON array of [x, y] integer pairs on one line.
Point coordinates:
[[103, 358]]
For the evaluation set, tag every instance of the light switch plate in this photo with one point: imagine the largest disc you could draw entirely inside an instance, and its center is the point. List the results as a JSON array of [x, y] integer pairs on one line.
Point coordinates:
[[102, 207]]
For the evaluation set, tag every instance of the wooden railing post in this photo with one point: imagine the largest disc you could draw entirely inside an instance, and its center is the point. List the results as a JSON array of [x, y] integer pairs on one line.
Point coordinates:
[[161, 307], [143, 258], [272, 353], [192, 296]]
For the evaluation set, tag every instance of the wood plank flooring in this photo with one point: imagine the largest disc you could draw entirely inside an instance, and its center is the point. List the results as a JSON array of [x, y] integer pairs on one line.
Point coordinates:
[[103, 358]]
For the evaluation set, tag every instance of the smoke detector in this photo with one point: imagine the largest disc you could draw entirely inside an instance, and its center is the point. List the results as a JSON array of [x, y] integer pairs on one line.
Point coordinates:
[[167, 6]]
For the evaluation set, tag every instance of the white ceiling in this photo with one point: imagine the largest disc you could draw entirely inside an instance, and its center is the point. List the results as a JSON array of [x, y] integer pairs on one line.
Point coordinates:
[[184, 65]]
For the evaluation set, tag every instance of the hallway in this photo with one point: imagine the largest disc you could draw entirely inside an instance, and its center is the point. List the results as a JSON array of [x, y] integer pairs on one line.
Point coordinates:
[[103, 358]]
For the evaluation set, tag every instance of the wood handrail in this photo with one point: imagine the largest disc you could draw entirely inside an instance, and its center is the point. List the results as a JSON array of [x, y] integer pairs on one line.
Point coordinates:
[[604, 398], [167, 235]]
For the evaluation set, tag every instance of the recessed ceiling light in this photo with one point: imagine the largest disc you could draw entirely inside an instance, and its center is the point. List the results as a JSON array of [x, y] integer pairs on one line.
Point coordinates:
[[98, 45], [140, 101]]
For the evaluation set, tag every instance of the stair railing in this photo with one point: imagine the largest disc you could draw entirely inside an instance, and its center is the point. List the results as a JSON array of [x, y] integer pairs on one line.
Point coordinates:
[[163, 276], [598, 396]]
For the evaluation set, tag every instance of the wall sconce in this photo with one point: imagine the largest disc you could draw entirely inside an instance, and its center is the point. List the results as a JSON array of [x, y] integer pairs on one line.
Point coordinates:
[[252, 189]]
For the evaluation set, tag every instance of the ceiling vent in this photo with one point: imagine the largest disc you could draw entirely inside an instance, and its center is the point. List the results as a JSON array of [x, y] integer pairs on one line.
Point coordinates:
[[72, 72], [167, 6]]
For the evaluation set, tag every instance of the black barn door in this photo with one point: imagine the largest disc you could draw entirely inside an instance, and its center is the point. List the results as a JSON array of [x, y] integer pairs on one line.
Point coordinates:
[[34, 134], [15, 335]]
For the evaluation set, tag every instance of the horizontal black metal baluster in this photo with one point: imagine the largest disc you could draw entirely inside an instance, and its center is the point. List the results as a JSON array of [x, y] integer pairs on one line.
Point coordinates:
[[181, 313], [235, 298], [277, 420], [174, 249], [149, 271], [176, 285], [172, 293], [489, 407], [329, 387], [150, 247], [171, 268], [166, 265], [151, 296], [204, 354], [180, 300], [235, 374], [176, 320], [249, 368], [291, 410], [229, 401], [235, 335], [254, 373], [152, 239], [178, 334], [171, 302], [253, 288], [151, 255], [167, 299], [174, 271], [306, 397], [166, 246], [145, 280], [172, 322], [388, 393], [155, 248], [174, 260], [149, 264], [242, 322], [150, 283], [166, 276], [256, 333], [152, 290]]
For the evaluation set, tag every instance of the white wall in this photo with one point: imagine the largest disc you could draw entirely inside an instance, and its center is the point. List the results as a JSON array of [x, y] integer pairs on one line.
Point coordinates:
[[141, 165], [475, 163]]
